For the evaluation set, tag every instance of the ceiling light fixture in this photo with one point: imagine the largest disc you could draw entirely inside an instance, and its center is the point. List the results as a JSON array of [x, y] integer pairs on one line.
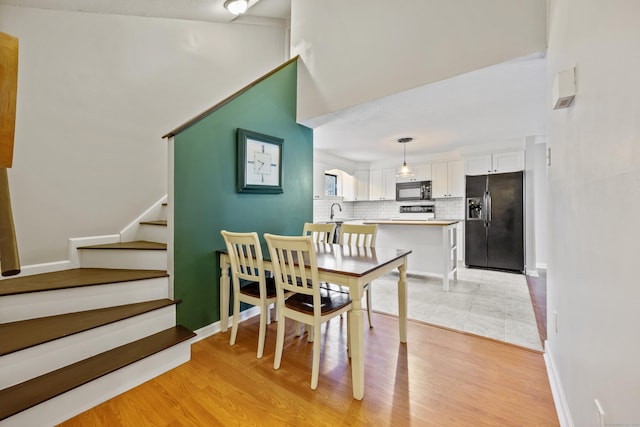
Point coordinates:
[[405, 171], [236, 7]]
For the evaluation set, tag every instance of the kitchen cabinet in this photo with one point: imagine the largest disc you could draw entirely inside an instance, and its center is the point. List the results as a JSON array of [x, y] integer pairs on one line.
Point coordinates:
[[318, 180], [420, 173], [447, 179], [508, 161], [361, 185], [382, 184], [344, 183], [348, 187], [460, 237]]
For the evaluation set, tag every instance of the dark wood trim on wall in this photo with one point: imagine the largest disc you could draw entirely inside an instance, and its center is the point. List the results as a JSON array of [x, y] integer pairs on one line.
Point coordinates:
[[228, 99]]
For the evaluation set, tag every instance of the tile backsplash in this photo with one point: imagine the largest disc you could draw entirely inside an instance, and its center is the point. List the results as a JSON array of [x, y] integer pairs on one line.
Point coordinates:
[[445, 209]]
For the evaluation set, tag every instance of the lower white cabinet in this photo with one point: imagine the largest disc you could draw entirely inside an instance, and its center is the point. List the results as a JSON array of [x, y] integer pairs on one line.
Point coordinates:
[[447, 179]]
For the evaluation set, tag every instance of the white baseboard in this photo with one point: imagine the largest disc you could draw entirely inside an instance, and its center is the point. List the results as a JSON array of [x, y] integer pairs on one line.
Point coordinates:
[[559, 398], [48, 267], [130, 232], [75, 242], [214, 328], [541, 266]]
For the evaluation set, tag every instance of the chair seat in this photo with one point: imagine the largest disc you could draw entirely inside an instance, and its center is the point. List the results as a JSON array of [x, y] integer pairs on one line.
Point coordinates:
[[252, 288], [330, 301]]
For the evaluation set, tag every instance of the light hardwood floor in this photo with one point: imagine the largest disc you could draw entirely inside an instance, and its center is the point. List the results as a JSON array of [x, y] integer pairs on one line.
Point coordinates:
[[440, 378]]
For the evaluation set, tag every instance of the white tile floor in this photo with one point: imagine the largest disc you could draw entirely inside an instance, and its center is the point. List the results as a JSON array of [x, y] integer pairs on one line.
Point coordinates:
[[482, 302]]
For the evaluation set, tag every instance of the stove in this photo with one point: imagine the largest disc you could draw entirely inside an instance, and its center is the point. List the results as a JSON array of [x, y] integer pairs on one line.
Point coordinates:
[[415, 213]]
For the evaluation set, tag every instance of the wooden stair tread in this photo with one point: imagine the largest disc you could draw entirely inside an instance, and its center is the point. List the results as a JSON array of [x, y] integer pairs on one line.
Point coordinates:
[[28, 333], [135, 244], [72, 278], [156, 222], [30, 393]]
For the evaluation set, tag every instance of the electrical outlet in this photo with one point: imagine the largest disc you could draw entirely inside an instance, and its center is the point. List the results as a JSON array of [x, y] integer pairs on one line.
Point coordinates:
[[599, 413], [555, 321]]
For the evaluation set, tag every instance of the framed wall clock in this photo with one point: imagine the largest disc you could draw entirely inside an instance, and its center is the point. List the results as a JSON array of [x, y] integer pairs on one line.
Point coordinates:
[[259, 162]]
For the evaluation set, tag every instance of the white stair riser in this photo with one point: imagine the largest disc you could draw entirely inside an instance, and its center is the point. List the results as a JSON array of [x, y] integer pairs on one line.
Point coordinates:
[[35, 361], [49, 303], [76, 401], [152, 233], [123, 258], [163, 211]]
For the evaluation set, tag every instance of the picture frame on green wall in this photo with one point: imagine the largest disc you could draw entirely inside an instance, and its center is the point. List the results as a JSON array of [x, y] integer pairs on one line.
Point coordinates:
[[259, 162]]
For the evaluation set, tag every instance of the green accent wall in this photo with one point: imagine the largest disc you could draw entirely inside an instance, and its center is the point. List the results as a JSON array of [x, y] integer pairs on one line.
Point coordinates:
[[205, 197]]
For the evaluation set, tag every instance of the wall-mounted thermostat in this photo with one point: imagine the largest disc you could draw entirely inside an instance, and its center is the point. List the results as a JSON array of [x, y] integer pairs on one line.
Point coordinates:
[[564, 89]]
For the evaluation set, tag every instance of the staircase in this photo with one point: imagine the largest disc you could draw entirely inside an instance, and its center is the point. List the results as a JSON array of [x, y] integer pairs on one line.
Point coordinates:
[[72, 339]]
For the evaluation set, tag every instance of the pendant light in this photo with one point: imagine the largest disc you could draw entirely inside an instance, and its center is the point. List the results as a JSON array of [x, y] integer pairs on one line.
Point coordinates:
[[405, 171], [236, 7]]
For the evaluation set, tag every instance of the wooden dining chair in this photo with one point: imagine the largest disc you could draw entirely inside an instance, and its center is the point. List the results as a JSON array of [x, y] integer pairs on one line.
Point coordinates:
[[308, 303], [250, 284], [360, 235], [320, 233]]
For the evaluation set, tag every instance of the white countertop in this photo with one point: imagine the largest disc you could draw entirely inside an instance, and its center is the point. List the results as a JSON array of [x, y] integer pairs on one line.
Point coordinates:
[[431, 222]]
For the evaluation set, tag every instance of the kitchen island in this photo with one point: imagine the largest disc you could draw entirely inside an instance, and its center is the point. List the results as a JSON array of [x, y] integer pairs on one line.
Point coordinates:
[[433, 242]]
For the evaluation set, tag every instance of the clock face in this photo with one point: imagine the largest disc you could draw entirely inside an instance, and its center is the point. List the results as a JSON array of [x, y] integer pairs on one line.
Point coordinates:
[[262, 163], [259, 158]]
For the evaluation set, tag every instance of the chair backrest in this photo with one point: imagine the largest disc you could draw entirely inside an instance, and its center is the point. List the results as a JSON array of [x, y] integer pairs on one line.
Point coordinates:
[[291, 256], [320, 233], [358, 234], [245, 257]]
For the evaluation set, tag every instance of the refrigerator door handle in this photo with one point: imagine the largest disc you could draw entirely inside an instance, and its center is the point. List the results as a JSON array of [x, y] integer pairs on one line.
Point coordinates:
[[484, 208], [488, 208]]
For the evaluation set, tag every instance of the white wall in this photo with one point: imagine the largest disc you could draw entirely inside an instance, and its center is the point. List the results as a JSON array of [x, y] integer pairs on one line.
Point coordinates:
[[359, 50], [594, 199], [95, 95], [541, 229]]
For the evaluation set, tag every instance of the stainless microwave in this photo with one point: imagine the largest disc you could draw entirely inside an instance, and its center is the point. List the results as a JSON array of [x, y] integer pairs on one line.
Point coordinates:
[[415, 190]]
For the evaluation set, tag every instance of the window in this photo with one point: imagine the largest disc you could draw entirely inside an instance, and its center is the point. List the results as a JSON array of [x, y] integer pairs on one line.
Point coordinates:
[[330, 184]]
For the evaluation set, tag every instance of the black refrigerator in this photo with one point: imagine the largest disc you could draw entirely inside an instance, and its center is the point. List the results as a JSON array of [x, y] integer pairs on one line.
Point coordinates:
[[494, 222]]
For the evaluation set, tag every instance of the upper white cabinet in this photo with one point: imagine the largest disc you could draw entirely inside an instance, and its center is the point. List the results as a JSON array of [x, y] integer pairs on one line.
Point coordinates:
[[318, 180], [509, 161], [348, 187], [382, 184], [344, 183], [361, 185], [447, 179], [420, 173]]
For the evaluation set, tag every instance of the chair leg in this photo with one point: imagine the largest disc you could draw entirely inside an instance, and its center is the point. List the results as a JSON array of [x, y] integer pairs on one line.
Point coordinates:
[[234, 326], [348, 335], [369, 306], [310, 333], [264, 317], [299, 328], [315, 370], [279, 340]]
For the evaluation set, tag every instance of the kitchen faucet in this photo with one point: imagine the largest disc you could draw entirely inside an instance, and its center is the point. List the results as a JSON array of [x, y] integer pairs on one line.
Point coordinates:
[[332, 205]]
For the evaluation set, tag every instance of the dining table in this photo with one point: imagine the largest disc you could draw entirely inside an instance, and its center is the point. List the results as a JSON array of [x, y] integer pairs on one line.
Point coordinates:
[[352, 267]]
